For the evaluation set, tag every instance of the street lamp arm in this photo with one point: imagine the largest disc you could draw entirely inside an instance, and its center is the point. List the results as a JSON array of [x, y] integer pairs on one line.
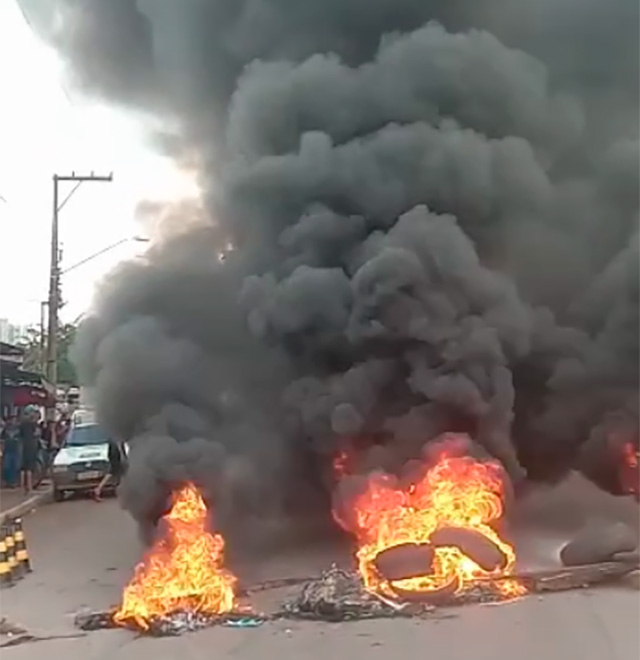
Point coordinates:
[[100, 252]]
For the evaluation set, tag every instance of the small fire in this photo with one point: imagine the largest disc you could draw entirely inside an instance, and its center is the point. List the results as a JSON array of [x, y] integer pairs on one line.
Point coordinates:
[[345, 459], [456, 492], [341, 464], [182, 571], [630, 470]]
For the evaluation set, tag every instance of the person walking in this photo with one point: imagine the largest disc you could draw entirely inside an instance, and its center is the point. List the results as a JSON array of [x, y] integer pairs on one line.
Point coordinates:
[[30, 442], [11, 452], [117, 465]]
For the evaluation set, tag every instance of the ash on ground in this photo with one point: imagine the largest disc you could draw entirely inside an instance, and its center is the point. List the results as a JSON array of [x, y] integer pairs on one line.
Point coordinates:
[[338, 595], [477, 593], [171, 625]]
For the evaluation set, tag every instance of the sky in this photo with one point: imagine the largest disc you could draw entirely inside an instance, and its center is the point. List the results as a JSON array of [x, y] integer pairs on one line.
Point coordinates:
[[46, 128]]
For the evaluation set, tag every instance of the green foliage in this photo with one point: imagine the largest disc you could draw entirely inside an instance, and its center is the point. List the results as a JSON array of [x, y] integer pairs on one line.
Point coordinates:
[[35, 360], [66, 370]]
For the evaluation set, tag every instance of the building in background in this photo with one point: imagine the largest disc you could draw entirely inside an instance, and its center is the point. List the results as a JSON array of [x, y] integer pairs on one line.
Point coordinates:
[[11, 333]]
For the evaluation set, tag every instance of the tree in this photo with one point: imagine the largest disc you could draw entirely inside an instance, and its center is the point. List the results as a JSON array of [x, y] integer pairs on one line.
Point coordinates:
[[34, 358], [66, 369]]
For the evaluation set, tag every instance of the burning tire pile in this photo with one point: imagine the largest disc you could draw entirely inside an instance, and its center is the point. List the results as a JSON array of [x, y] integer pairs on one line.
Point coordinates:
[[431, 535]]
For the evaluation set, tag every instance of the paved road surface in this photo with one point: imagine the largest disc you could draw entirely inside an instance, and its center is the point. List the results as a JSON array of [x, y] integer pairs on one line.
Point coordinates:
[[83, 553]]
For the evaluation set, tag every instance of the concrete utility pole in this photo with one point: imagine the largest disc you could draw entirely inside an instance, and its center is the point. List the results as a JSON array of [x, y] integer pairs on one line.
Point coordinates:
[[43, 357], [54, 273]]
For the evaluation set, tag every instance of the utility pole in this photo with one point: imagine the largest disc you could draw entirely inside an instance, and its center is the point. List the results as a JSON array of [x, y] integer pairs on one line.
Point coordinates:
[[54, 273], [43, 357]]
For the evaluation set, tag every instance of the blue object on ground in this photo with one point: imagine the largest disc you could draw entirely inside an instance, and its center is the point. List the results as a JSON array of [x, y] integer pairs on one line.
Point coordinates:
[[248, 622]]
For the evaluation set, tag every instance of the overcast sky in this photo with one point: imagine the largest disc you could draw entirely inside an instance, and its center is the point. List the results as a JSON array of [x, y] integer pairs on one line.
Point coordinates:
[[45, 130]]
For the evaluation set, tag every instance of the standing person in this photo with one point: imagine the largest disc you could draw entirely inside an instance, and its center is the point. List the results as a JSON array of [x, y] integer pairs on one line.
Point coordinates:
[[11, 452], [30, 441], [117, 462], [49, 438], [62, 428]]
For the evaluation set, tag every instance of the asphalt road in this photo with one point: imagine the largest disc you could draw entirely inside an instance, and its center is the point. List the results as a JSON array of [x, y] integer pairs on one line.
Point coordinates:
[[83, 553]]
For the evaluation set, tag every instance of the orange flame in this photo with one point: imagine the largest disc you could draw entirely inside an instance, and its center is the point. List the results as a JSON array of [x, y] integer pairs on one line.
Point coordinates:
[[630, 470], [345, 459], [341, 464], [182, 571], [457, 491]]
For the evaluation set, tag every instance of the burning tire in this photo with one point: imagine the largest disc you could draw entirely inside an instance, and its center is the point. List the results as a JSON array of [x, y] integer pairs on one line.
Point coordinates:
[[408, 560], [433, 596], [598, 544], [479, 548]]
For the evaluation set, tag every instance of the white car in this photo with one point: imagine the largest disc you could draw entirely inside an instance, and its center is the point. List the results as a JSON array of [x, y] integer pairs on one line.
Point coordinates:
[[82, 461]]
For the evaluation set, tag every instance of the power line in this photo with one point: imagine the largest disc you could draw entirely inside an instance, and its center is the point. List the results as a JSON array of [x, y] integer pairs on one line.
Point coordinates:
[[103, 250]]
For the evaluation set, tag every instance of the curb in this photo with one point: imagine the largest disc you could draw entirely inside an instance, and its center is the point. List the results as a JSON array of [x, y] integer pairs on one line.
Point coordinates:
[[25, 507]]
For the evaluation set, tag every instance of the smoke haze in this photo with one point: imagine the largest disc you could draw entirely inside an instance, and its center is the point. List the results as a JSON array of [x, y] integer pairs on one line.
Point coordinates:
[[434, 213]]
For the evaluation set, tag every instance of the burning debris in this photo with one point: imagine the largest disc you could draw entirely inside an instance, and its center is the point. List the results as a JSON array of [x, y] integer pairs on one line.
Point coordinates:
[[181, 582], [169, 625], [433, 534], [630, 469], [339, 595]]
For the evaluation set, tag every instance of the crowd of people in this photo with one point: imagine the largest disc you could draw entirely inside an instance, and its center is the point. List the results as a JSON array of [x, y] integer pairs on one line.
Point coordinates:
[[28, 444]]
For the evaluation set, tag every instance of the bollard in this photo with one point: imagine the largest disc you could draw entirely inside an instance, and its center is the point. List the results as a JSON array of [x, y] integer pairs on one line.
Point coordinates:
[[6, 579], [16, 572], [22, 555]]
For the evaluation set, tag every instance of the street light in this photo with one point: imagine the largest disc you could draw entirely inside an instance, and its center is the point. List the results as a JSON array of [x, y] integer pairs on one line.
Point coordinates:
[[138, 239]]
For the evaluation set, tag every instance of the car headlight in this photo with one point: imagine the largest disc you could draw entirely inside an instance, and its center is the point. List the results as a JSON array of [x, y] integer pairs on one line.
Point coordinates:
[[59, 469]]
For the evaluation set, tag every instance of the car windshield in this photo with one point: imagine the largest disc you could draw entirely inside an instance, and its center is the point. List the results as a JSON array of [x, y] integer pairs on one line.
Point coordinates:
[[86, 435]]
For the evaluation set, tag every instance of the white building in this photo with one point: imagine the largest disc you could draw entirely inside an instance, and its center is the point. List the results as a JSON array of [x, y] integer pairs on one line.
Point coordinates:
[[11, 333]]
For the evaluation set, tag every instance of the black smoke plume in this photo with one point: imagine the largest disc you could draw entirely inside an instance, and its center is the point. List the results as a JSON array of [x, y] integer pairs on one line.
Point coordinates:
[[434, 213]]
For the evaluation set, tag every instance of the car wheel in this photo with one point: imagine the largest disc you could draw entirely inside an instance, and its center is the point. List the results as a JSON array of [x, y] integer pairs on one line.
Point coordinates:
[[58, 495]]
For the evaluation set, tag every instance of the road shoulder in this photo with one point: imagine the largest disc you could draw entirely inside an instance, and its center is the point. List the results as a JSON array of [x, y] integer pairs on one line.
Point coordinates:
[[14, 505]]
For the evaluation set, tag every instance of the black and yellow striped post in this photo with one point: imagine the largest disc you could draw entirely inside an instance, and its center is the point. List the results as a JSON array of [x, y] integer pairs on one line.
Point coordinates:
[[22, 555], [16, 571], [6, 579]]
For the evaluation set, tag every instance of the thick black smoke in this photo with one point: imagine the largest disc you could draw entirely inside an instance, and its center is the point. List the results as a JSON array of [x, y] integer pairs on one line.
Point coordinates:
[[434, 208]]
